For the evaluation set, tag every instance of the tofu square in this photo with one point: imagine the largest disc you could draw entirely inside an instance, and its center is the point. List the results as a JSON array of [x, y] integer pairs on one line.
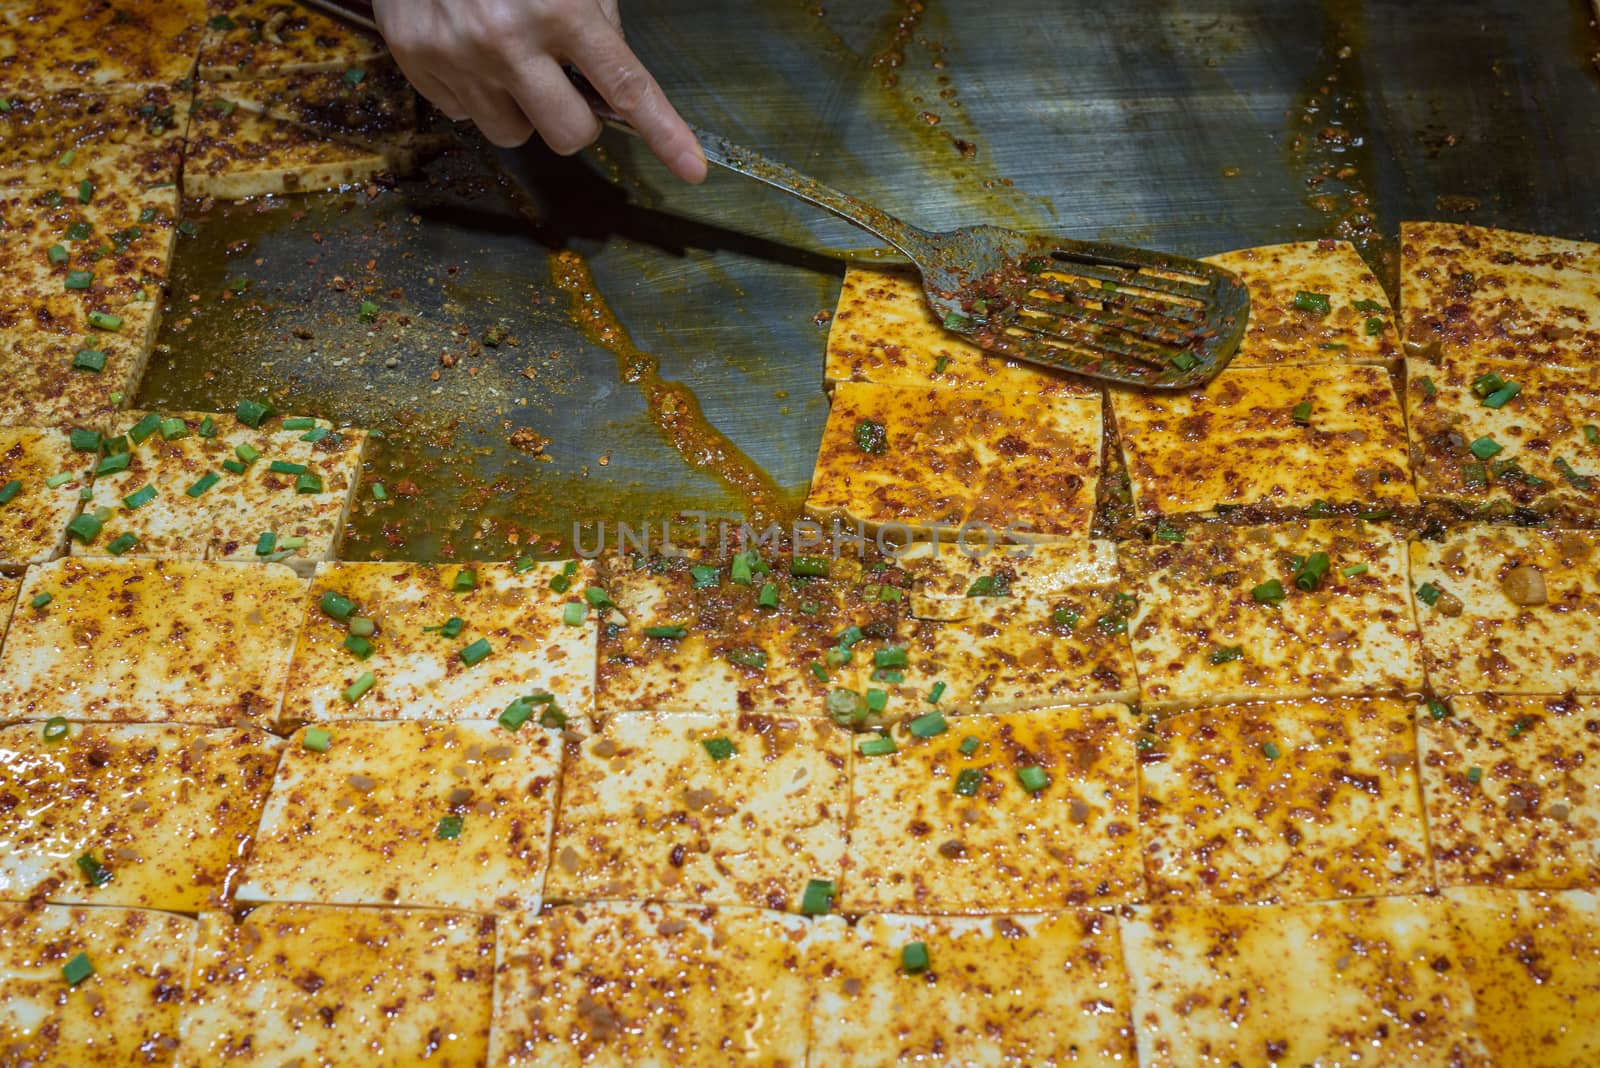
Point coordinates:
[[702, 808], [920, 844], [1337, 983], [125, 1012], [33, 521], [1514, 610], [49, 384], [324, 984], [248, 39], [1246, 440], [900, 458], [299, 134], [152, 641], [8, 601], [1045, 989], [1283, 802], [1288, 328], [1531, 453], [1512, 786], [650, 986], [444, 815], [1476, 291], [417, 659], [163, 812], [1533, 962], [43, 43], [128, 135], [1201, 634], [946, 583], [884, 331]]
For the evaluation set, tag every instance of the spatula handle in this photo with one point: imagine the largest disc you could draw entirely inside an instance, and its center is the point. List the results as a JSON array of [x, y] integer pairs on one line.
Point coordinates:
[[357, 11]]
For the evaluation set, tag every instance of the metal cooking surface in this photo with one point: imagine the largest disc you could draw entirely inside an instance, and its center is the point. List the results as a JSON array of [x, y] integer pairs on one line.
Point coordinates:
[[1155, 123]]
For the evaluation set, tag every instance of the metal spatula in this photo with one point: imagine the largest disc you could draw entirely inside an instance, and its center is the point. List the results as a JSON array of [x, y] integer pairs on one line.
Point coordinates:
[[1121, 314]]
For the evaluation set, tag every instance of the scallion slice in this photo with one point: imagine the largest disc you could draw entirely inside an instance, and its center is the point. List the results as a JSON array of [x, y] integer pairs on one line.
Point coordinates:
[[1033, 779], [928, 725], [246, 452], [105, 321], [476, 652], [337, 605], [85, 528], [203, 483], [810, 566], [359, 647], [1227, 654], [768, 597], [77, 969], [1429, 594], [1302, 413], [308, 483], [1502, 396], [317, 739], [1270, 751], [466, 580], [914, 958], [817, 899], [1269, 592], [876, 745], [89, 360], [251, 413], [286, 467], [122, 543], [1317, 303], [573, 614], [719, 749], [1309, 575], [42, 600], [968, 782], [1486, 447], [704, 576], [670, 630], [358, 689], [56, 728], [110, 465], [448, 829]]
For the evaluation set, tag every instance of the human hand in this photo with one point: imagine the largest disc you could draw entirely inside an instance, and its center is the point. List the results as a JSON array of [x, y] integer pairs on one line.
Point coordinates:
[[499, 63]]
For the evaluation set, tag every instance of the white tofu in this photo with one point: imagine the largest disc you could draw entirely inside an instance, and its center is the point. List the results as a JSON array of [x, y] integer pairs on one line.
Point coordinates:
[[917, 845], [1358, 327], [942, 576], [1533, 961], [1283, 802], [1047, 989], [1002, 461], [248, 39], [419, 671], [150, 815], [638, 985], [647, 810], [1373, 981], [8, 601], [152, 640], [43, 388], [447, 815], [1236, 442], [1201, 637], [1517, 611], [1512, 788], [127, 135], [1475, 291], [33, 522], [43, 43], [884, 331], [125, 1012]]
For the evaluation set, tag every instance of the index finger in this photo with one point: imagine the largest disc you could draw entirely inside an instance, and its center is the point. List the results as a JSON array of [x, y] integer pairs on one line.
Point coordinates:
[[617, 74]]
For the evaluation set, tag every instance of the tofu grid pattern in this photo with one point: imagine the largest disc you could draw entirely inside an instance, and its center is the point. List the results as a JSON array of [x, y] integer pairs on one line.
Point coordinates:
[[1156, 798]]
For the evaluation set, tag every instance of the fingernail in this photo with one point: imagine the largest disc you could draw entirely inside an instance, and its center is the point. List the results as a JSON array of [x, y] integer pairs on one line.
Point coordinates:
[[691, 161]]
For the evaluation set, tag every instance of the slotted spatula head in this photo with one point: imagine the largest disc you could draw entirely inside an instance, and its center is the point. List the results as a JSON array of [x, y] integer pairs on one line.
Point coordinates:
[[1122, 314]]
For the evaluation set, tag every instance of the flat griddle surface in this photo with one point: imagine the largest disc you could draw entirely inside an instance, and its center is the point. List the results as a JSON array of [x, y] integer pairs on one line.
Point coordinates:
[[1194, 128]]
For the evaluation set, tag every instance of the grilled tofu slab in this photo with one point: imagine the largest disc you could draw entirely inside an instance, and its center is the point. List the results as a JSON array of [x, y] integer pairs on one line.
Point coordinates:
[[41, 474], [47, 45], [249, 39]]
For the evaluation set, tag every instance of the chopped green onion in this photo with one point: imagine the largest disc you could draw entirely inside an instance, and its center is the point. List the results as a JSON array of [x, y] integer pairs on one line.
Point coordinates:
[[1428, 388], [203, 483], [337, 605], [79, 279], [77, 969], [748, 657], [286, 467], [1312, 302], [1033, 779], [42, 600], [466, 580], [56, 728], [914, 957], [1437, 708], [1353, 570], [9, 491], [876, 745], [1168, 534], [738, 571], [597, 597], [1485, 447], [768, 597], [705, 576], [940, 364], [208, 427], [1112, 624], [1374, 326], [296, 541], [1486, 384], [1575, 480], [1591, 433], [110, 465], [516, 714], [928, 725], [968, 782], [969, 745], [122, 543], [871, 436], [379, 493], [247, 452], [105, 321], [672, 630], [877, 700], [308, 483], [1474, 775], [317, 739], [889, 657], [57, 255], [1226, 654], [1302, 412], [95, 872], [449, 828], [818, 897], [1184, 361], [476, 652], [1429, 594], [56, 481], [266, 543], [358, 646], [85, 191], [820, 672], [298, 422], [233, 467], [1270, 751], [360, 626], [936, 693], [719, 749], [812, 566], [1502, 396], [573, 614], [89, 360], [845, 707], [1268, 592], [1309, 575], [368, 311], [251, 413], [356, 690], [85, 528]]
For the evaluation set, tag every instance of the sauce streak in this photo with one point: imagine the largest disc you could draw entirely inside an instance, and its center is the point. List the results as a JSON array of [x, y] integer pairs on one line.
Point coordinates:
[[672, 406]]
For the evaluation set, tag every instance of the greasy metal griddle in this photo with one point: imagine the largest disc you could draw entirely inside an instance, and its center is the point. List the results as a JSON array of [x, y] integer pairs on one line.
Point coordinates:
[[1191, 127]]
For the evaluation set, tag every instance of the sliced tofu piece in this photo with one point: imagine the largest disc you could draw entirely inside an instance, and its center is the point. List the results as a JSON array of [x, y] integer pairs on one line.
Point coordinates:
[[447, 815], [906, 459], [733, 655], [297, 491], [1241, 443], [1202, 636], [1374, 981], [936, 830], [1047, 989], [947, 583], [328, 985], [884, 331], [44, 44], [248, 39], [126, 1011], [1532, 452], [1514, 610], [702, 809], [299, 134], [152, 641], [61, 380], [419, 669], [1533, 962], [1283, 802], [8, 601], [1512, 786], [131, 135], [149, 815], [35, 514], [650, 986], [1343, 316], [1475, 291]]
